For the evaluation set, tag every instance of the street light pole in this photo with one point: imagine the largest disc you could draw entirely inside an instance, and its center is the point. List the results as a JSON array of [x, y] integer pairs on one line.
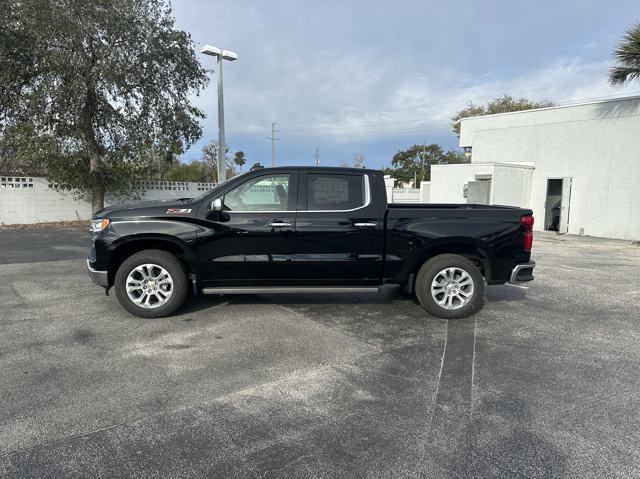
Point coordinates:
[[222, 148]]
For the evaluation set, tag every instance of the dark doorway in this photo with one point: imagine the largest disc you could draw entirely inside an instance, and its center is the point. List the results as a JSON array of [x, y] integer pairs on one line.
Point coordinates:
[[553, 204]]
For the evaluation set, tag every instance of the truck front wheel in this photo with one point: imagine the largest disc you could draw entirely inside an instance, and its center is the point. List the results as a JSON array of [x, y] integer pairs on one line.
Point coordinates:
[[450, 286], [151, 284]]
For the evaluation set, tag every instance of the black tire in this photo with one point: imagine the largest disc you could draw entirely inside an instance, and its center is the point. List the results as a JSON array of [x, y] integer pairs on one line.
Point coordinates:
[[431, 269], [171, 264]]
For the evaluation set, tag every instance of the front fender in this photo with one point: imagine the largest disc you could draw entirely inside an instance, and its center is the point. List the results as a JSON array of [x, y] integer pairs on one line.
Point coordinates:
[[124, 236]]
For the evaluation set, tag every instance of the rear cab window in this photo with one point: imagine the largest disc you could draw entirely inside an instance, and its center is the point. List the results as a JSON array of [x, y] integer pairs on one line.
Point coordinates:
[[335, 192]]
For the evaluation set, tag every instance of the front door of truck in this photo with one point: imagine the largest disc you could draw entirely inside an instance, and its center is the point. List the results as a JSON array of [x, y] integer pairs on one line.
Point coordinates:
[[339, 231], [251, 242]]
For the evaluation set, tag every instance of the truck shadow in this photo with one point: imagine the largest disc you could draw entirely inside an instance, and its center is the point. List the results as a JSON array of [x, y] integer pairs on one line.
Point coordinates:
[[387, 296], [504, 294]]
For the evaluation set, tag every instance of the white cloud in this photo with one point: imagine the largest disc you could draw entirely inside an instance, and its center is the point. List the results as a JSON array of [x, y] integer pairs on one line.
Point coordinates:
[[348, 93], [362, 74]]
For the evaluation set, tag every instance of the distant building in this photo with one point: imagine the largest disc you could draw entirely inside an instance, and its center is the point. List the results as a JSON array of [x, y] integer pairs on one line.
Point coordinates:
[[576, 166]]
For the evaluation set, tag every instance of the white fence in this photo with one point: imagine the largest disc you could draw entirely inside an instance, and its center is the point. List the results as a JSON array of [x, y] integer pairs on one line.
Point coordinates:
[[405, 195], [27, 200]]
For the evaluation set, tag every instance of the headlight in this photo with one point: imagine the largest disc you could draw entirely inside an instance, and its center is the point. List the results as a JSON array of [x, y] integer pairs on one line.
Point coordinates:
[[99, 225]]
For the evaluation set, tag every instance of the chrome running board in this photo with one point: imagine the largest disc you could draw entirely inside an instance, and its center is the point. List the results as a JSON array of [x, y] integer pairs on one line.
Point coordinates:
[[290, 289]]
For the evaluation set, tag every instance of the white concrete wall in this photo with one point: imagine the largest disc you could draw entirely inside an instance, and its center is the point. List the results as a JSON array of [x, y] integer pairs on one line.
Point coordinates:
[[447, 181], [405, 195], [425, 191], [30, 200], [388, 185], [27, 200], [401, 195], [510, 183], [595, 144]]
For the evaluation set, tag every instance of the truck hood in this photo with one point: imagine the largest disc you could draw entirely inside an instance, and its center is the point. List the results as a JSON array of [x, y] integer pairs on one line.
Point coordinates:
[[158, 208]]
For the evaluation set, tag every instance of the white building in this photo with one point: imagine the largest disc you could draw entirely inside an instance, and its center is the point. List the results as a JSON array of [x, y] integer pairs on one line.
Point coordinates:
[[576, 166]]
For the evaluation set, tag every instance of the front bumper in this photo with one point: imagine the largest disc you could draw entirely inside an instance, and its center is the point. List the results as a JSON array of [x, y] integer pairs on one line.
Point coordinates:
[[522, 272], [98, 277]]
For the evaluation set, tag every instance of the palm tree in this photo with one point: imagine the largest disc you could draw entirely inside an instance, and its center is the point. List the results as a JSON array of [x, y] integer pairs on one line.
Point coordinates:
[[627, 55], [240, 159]]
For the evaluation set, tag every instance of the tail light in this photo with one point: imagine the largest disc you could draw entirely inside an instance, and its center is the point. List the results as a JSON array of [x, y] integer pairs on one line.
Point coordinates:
[[527, 222]]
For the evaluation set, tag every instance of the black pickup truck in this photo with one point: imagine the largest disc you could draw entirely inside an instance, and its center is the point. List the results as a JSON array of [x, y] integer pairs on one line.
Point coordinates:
[[312, 230]]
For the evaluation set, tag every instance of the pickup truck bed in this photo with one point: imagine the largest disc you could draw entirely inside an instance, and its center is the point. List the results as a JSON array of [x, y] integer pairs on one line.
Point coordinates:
[[490, 234]]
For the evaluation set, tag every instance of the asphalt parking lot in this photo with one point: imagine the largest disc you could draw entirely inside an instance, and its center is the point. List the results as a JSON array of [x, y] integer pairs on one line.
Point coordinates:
[[543, 382]]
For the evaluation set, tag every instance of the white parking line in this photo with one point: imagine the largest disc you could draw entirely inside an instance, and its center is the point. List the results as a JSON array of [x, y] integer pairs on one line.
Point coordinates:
[[473, 358]]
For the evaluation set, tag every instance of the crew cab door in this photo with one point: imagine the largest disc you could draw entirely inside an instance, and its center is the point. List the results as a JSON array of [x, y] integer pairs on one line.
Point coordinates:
[[251, 242], [339, 230]]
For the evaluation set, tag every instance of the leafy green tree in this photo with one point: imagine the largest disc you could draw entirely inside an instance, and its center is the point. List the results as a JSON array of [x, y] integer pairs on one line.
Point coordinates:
[[196, 171], [256, 166], [96, 85], [503, 104], [239, 159], [627, 55], [416, 161], [20, 156]]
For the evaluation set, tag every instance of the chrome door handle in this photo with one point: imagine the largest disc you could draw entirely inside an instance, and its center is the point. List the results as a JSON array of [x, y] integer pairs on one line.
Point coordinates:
[[279, 224], [365, 225]]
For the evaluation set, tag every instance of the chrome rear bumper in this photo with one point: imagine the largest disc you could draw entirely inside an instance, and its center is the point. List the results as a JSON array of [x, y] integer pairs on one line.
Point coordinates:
[[522, 272]]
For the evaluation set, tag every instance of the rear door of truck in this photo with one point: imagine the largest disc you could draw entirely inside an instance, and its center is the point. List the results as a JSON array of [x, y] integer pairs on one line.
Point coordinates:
[[339, 229]]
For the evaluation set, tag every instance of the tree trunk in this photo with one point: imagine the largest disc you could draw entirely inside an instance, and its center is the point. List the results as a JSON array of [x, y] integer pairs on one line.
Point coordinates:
[[97, 190], [94, 147], [97, 199]]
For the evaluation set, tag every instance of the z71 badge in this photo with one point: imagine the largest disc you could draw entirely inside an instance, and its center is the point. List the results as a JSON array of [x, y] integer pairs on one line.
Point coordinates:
[[178, 211]]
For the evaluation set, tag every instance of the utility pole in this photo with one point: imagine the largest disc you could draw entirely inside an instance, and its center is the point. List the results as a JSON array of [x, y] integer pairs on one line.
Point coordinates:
[[317, 157], [273, 142]]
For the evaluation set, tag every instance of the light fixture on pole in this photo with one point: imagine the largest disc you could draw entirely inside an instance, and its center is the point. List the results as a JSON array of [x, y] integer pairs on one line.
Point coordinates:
[[220, 55]]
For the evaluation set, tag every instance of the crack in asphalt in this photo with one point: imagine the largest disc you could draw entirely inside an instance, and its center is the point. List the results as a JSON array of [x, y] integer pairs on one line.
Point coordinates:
[[452, 399]]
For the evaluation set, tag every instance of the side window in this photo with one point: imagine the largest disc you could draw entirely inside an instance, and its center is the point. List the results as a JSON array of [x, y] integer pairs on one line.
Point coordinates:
[[335, 191], [264, 193]]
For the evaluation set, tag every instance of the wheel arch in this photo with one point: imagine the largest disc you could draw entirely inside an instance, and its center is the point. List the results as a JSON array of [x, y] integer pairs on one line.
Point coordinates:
[[469, 248], [134, 244]]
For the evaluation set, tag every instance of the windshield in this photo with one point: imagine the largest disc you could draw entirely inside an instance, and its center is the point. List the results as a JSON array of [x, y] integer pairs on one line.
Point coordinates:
[[212, 190]]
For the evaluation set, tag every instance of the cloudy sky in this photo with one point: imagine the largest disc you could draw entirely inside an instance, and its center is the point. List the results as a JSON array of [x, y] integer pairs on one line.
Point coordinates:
[[374, 77]]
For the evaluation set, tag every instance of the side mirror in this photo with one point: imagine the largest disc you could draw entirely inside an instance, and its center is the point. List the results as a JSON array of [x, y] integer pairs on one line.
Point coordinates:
[[216, 205]]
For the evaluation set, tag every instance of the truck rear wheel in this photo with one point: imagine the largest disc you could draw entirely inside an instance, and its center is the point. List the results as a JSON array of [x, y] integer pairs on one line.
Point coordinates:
[[151, 284], [450, 286]]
